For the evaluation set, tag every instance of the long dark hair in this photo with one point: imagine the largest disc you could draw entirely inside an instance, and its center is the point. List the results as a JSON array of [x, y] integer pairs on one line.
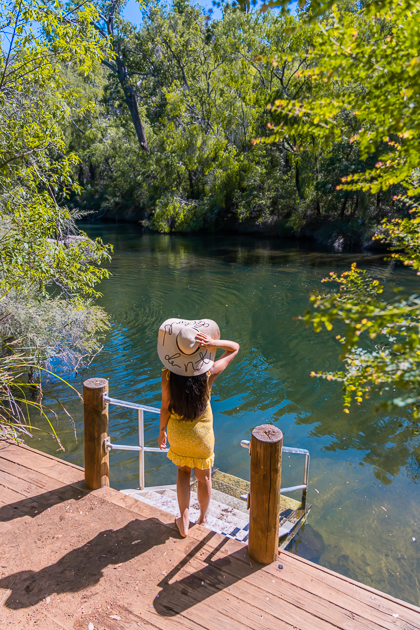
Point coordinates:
[[188, 395]]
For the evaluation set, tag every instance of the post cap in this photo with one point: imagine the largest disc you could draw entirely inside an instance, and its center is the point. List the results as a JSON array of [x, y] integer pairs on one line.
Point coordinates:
[[267, 433], [95, 383]]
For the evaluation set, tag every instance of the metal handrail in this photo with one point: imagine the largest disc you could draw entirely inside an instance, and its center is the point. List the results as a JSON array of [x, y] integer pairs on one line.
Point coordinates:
[[141, 448], [293, 451], [129, 405], [125, 447]]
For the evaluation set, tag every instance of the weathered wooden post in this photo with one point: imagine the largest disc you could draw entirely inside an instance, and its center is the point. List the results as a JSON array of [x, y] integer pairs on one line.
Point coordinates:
[[265, 450], [96, 430]]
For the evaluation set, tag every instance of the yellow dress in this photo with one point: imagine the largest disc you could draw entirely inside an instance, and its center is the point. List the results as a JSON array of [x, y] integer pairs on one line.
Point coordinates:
[[192, 443]]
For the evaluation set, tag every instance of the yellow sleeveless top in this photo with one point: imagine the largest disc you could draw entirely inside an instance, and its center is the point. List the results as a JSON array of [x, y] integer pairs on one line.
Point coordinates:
[[192, 443]]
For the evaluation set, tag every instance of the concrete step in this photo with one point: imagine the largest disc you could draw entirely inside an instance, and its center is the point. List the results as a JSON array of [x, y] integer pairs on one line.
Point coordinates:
[[221, 516]]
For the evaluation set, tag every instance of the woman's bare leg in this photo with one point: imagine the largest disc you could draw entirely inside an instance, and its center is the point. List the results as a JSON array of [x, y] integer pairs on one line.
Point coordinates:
[[203, 491], [183, 493]]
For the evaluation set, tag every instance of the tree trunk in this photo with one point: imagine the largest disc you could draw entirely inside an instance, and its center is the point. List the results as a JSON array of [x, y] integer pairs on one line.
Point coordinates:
[[355, 207], [297, 181], [343, 207], [131, 100], [123, 77], [378, 206]]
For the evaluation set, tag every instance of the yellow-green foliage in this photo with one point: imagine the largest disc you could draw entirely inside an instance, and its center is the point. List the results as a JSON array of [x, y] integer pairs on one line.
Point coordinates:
[[35, 172], [364, 68], [48, 269]]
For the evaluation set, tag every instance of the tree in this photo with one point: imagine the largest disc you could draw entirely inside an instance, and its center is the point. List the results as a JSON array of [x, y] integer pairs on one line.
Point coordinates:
[[113, 28], [202, 88], [369, 56], [203, 98], [48, 268]]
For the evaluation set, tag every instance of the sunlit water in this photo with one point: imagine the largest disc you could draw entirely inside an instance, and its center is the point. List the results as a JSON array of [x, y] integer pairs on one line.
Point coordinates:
[[365, 466]]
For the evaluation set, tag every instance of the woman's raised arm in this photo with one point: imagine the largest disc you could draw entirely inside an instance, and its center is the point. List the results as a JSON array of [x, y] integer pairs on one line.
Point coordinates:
[[231, 349]]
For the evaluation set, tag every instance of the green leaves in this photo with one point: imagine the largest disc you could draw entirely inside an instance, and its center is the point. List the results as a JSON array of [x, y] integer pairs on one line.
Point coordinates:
[[363, 66], [381, 344], [47, 268], [39, 243], [364, 74]]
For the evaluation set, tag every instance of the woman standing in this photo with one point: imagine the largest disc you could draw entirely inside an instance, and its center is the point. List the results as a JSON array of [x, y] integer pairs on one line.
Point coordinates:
[[187, 349]]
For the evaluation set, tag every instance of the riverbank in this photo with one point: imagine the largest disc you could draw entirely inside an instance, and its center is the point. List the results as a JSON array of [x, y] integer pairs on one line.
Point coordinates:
[[325, 231], [336, 234]]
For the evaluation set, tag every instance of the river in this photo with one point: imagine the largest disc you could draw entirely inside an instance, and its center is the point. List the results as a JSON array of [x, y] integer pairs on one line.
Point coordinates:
[[365, 465]]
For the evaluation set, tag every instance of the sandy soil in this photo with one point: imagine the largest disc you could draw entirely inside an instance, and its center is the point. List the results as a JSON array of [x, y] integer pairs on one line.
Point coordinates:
[[61, 567]]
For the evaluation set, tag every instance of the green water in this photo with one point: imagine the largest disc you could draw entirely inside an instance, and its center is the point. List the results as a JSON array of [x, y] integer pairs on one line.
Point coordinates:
[[365, 466]]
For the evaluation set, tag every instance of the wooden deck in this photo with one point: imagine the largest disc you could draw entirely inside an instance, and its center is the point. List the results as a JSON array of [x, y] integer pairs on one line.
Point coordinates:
[[101, 560]]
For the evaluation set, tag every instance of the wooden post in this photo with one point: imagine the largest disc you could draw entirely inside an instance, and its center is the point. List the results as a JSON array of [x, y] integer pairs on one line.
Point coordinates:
[[96, 430], [266, 450]]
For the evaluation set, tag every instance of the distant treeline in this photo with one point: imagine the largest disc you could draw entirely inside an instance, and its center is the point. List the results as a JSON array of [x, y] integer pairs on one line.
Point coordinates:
[[171, 142]]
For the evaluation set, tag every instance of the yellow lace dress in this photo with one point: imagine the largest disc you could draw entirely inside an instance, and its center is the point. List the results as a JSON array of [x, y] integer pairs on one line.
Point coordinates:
[[192, 443]]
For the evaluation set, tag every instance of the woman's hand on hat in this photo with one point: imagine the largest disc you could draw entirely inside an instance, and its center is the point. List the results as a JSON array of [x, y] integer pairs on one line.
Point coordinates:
[[204, 341]]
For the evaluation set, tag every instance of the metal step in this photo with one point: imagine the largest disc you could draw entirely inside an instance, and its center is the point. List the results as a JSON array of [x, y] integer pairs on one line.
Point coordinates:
[[221, 517], [228, 512]]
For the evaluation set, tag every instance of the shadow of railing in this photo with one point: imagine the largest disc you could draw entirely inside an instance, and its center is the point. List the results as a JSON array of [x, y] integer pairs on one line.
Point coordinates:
[[199, 585]]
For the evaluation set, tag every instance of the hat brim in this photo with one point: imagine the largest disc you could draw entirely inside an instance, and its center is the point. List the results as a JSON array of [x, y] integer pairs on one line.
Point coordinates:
[[198, 362]]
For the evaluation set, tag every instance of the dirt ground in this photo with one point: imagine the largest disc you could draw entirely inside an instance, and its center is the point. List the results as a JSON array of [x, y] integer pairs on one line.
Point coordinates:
[[104, 561], [65, 569]]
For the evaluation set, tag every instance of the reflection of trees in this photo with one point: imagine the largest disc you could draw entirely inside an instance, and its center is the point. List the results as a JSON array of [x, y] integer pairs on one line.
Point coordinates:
[[168, 250], [389, 443], [413, 466], [386, 443]]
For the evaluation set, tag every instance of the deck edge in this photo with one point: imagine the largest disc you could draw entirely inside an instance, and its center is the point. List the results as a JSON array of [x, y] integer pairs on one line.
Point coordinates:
[[349, 580]]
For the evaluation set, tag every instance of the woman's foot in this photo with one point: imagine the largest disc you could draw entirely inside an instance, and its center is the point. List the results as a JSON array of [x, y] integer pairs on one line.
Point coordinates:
[[180, 526], [202, 520]]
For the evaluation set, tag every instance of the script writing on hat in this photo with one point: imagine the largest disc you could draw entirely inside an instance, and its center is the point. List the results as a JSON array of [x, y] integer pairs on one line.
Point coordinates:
[[171, 360], [197, 365]]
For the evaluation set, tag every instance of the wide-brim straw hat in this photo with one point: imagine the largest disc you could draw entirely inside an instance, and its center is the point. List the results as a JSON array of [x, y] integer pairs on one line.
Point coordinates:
[[178, 349]]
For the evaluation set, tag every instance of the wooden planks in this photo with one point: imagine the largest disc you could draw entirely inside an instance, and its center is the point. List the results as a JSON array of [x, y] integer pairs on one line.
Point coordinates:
[[32, 482], [332, 598], [57, 469], [146, 573]]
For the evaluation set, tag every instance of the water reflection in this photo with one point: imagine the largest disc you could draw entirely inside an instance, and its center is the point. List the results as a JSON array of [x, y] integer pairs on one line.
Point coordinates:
[[389, 443], [365, 466]]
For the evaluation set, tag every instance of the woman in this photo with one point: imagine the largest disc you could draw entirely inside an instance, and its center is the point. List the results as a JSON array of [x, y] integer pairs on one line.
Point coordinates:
[[188, 349]]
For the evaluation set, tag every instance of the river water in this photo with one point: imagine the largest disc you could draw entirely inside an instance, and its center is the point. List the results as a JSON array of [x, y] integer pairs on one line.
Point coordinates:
[[365, 466]]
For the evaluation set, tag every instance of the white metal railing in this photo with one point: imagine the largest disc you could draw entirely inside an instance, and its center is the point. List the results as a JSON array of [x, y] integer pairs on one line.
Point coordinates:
[[141, 448]]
